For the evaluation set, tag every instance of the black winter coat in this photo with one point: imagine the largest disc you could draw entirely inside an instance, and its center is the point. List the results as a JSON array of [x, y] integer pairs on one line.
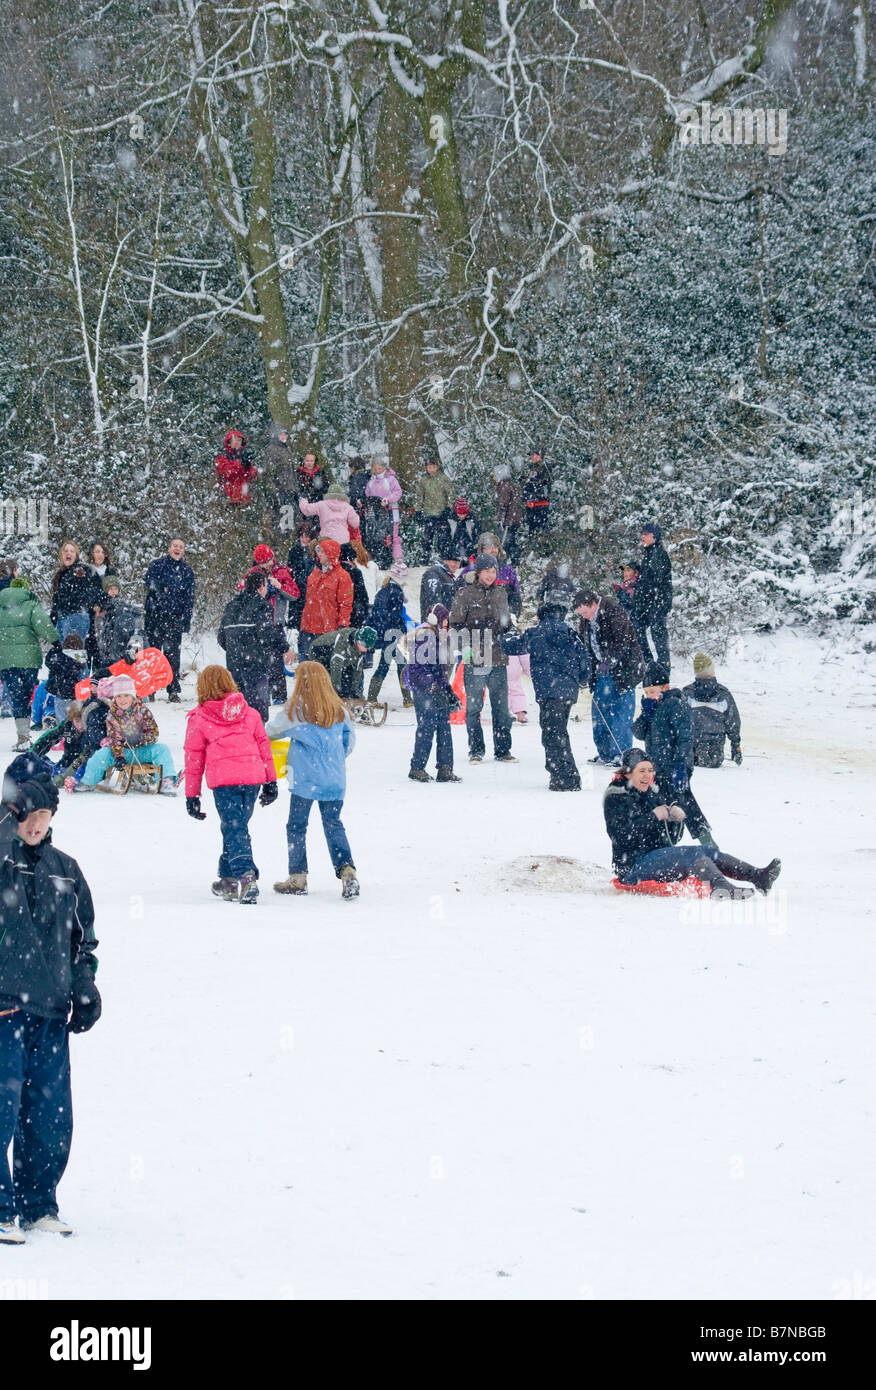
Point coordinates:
[[386, 613], [170, 595], [559, 663], [632, 827], [714, 718], [537, 486], [652, 594], [75, 593], [64, 673], [464, 534], [300, 562], [664, 728], [356, 492], [47, 940], [359, 611], [248, 634], [436, 586], [616, 639]]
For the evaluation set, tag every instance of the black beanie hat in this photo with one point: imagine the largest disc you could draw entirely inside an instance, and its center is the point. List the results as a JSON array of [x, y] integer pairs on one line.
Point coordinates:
[[656, 674]]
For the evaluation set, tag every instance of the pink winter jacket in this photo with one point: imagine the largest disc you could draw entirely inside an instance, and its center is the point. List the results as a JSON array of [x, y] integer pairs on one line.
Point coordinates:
[[384, 486], [336, 518], [227, 736]]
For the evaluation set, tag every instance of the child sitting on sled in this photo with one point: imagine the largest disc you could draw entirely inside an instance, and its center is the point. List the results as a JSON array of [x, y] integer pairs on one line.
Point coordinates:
[[133, 738]]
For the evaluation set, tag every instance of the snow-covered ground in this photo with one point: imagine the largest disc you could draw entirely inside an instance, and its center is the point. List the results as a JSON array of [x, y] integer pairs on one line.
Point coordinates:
[[492, 1077]]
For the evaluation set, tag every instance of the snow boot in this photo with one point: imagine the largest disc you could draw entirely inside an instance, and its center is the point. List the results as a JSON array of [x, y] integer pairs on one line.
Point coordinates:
[[22, 729], [349, 882], [419, 774], [446, 774], [707, 871], [764, 879], [506, 758], [295, 883], [9, 1232], [476, 757], [173, 697], [249, 887], [227, 889], [554, 786], [53, 1225], [522, 717]]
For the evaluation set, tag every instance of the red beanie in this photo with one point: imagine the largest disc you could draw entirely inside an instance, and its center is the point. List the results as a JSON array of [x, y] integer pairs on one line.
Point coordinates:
[[262, 554], [462, 508]]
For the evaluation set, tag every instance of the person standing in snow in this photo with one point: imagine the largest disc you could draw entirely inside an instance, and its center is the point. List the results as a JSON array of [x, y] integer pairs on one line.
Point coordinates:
[[427, 675], [652, 596], [312, 478], [644, 824], [23, 626], [665, 729], [356, 485], [560, 665], [438, 584], [170, 599], [480, 616], [47, 991], [506, 577], [432, 508], [328, 601], [226, 740], [282, 591], [280, 477], [235, 470], [537, 493], [387, 618], [383, 493], [252, 641], [321, 738], [464, 531], [338, 521], [625, 590], [509, 510], [714, 716], [75, 593], [616, 667]]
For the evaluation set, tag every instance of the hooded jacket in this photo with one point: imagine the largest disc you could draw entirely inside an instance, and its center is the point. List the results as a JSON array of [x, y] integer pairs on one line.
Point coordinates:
[[632, 827], [714, 717], [506, 577], [47, 940], [337, 519], [328, 601], [235, 471], [226, 739], [559, 663], [664, 728], [387, 612], [23, 625], [482, 610], [316, 762], [248, 634]]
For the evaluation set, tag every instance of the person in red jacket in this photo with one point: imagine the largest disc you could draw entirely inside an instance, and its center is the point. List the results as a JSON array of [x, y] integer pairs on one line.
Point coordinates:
[[328, 601], [235, 470], [226, 737], [281, 588]]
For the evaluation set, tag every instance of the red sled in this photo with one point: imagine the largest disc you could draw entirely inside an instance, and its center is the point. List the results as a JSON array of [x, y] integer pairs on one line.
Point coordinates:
[[685, 888], [150, 672]]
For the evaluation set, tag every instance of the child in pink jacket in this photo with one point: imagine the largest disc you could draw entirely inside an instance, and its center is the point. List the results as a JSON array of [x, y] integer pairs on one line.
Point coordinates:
[[227, 738], [337, 519]]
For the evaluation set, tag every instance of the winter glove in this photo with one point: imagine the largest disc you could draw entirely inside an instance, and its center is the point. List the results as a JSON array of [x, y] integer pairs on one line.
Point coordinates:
[[736, 754], [36, 794], [680, 779], [86, 1002], [119, 762], [648, 707], [193, 808], [676, 813], [269, 794], [661, 812]]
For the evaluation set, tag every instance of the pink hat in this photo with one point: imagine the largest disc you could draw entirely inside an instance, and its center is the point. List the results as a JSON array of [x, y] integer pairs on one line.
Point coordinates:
[[124, 685], [105, 687], [398, 569]]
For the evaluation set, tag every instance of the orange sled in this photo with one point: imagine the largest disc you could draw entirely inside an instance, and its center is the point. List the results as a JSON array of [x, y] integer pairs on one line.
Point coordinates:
[[685, 888], [150, 672]]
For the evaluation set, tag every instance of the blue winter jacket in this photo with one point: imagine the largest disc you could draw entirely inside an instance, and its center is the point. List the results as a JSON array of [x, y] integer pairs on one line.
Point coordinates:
[[315, 765], [559, 661], [387, 612], [170, 594]]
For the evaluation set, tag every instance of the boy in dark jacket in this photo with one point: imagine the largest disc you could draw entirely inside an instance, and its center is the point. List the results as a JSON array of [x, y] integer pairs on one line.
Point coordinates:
[[250, 640], [713, 716], [664, 728], [427, 676], [559, 666], [652, 595], [47, 991]]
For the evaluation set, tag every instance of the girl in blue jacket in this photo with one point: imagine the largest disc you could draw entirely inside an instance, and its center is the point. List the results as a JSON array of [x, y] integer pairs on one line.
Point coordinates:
[[321, 738]]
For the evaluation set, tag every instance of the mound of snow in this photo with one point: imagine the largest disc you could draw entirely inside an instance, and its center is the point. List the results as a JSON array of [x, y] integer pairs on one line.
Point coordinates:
[[555, 873]]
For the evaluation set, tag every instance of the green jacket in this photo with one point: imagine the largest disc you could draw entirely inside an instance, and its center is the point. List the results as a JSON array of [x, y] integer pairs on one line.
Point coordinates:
[[23, 625], [433, 493]]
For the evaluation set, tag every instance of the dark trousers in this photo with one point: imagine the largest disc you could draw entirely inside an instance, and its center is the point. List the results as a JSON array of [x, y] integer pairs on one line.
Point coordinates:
[[335, 834], [537, 518], [477, 682], [553, 716], [435, 536], [433, 721], [508, 537], [167, 639], [235, 806], [36, 1113], [278, 678], [304, 641], [20, 682], [381, 670], [253, 686], [695, 819], [659, 637]]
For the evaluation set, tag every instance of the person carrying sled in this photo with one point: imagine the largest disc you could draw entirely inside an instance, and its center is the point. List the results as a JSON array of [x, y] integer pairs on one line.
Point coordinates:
[[714, 716], [644, 823], [133, 738], [226, 741], [235, 469], [47, 991], [665, 729], [321, 738]]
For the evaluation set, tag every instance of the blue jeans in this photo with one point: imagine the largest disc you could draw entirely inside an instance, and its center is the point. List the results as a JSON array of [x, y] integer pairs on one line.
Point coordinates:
[[667, 865], [477, 681], [612, 713], [36, 1113], [335, 834], [235, 806], [19, 682], [433, 721], [43, 703], [74, 622]]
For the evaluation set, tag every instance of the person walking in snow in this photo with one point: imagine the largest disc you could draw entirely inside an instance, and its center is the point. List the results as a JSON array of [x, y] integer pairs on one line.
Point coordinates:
[[432, 497], [23, 626], [652, 596], [714, 716], [170, 599], [616, 667], [47, 991], [560, 665], [226, 741], [645, 822], [479, 618], [427, 676], [664, 727], [235, 469], [321, 738]]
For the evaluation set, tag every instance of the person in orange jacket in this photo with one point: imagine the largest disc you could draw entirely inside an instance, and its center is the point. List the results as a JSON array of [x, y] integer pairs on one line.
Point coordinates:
[[235, 470], [328, 602]]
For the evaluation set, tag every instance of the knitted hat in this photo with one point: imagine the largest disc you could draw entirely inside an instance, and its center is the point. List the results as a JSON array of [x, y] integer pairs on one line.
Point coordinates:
[[124, 685], [105, 687], [461, 507], [23, 768], [633, 757], [398, 569], [703, 665], [262, 554], [487, 539], [485, 562], [337, 492], [656, 674], [19, 582], [367, 636], [110, 581], [437, 615]]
